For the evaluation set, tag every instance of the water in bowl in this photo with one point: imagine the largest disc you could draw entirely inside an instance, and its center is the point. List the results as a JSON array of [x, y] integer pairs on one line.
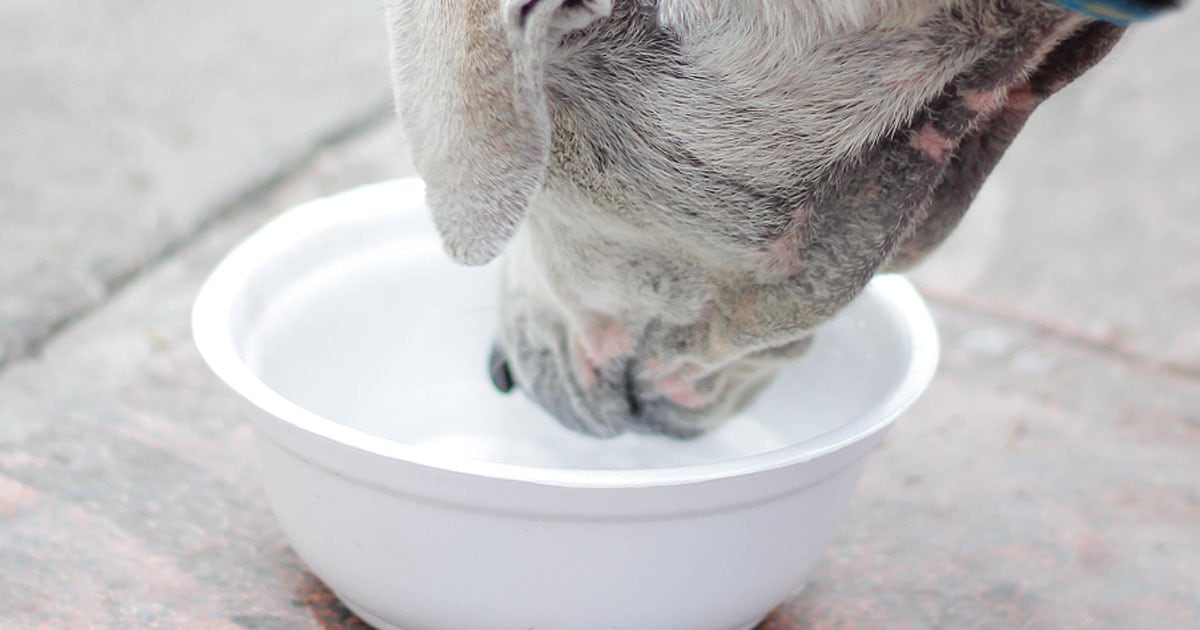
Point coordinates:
[[392, 339]]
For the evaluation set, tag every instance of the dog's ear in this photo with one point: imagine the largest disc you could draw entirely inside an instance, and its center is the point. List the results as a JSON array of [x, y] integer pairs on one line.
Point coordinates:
[[470, 89]]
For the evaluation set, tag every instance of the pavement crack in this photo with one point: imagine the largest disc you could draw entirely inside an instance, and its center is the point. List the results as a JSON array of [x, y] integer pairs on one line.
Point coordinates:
[[241, 199], [1106, 346]]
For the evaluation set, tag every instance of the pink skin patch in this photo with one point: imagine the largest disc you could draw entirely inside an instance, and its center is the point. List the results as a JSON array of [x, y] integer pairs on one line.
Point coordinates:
[[1021, 99], [585, 372], [933, 143], [783, 253], [681, 393], [652, 366], [984, 102], [604, 339], [607, 340]]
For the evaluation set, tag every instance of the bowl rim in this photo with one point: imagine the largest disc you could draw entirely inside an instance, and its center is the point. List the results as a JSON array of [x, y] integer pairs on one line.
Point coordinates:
[[215, 304]]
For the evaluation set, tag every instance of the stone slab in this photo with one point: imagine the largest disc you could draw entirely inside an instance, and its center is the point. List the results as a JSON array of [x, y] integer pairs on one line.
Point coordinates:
[[128, 123], [127, 488], [1043, 481]]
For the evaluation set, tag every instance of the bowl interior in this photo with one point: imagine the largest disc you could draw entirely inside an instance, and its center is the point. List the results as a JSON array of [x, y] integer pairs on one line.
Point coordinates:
[[349, 309]]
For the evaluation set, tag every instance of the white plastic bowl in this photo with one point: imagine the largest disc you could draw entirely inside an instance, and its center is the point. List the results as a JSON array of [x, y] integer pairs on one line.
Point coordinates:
[[425, 499]]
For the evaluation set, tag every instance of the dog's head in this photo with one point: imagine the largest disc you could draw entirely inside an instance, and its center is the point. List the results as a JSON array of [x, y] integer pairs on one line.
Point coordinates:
[[687, 188]]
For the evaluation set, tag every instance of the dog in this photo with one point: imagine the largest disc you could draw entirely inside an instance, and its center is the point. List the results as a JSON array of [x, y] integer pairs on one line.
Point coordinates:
[[684, 190]]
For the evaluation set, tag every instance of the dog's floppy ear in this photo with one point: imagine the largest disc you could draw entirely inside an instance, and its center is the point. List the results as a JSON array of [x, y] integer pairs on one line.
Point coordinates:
[[470, 89]]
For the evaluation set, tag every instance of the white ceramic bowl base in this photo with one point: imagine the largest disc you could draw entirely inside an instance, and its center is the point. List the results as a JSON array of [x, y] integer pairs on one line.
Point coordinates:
[[426, 499]]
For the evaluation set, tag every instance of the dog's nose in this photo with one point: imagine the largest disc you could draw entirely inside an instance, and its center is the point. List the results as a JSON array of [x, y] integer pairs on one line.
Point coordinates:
[[499, 371]]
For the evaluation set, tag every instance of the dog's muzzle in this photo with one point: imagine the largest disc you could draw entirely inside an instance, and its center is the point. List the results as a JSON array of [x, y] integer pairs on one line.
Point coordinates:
[[632, 392]]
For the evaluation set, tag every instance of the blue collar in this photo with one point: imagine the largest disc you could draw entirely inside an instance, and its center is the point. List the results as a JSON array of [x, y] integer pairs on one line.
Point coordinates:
[[1120, 12]]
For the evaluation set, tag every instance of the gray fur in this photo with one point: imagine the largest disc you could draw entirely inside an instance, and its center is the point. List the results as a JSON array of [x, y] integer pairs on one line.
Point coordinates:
[[689, 188]]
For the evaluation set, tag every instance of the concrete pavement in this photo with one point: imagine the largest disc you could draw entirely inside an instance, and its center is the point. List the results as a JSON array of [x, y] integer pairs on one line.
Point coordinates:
[[129, 124], [1091, 223], [1050, 478]]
